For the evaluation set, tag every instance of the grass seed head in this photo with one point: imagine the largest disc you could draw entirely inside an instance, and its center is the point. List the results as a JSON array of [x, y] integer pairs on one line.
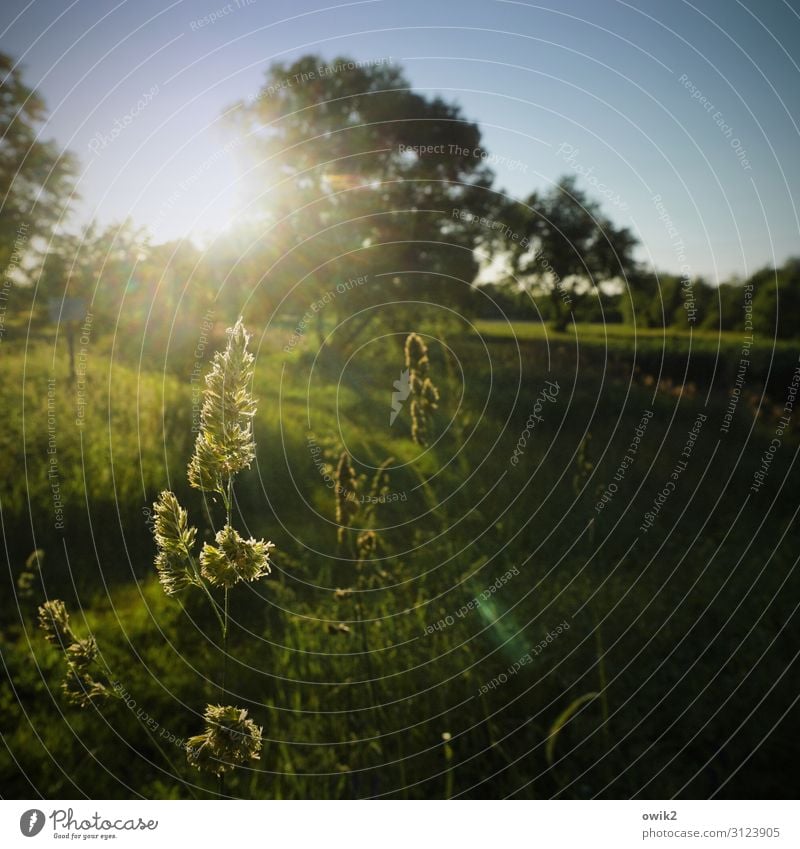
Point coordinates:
[[379, 488], [229, 740], [424, 394], [79, 686], [175, 540], [366, 545], [346, 490], [416, 352], [234, 559], [54, 622], [225, 444]]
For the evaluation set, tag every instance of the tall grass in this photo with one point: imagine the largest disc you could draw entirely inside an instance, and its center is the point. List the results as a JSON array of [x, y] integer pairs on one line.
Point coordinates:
[[334, 727]]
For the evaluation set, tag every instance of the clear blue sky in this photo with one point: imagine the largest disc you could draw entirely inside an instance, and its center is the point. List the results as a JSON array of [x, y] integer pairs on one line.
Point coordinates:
[[602, 76]]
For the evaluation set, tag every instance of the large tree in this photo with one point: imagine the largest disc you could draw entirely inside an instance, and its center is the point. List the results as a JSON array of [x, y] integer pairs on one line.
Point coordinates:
[[776, 300], [354, 174], [564, 247], [36, 177]]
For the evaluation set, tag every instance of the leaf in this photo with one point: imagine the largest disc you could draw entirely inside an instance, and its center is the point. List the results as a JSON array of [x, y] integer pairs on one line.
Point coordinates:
[[562, 719]]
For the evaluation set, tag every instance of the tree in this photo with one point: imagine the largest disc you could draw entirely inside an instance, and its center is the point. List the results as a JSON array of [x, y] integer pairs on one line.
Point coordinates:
[[564, 247], [36, 178], [355, 175], [776, 302], [724, 306]]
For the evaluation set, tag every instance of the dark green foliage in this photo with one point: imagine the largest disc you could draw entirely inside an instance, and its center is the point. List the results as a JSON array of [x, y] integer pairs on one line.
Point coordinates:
[[776, 305], [35, 176], [369, 175], [567, 247]]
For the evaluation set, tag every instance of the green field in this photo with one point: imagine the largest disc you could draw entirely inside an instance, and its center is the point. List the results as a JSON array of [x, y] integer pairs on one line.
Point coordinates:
[[671, 625]]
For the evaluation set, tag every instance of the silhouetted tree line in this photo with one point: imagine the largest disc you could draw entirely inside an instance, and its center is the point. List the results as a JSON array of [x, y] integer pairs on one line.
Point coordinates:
[[767, 302], [352, 176]]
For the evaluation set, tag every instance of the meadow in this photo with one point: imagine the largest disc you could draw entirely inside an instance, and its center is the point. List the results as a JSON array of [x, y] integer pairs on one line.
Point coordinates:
[[441, 667]]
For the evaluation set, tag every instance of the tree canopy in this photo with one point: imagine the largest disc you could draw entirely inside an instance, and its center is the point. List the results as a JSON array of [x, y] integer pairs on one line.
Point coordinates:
[[566, 247], [350, 165], [36, 178]]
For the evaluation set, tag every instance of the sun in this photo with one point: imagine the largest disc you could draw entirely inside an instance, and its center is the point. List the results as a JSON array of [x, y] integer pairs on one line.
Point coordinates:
[[198, 199]]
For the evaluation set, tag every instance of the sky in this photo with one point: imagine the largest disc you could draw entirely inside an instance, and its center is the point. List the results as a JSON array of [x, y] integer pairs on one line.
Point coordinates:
[[682, 118]]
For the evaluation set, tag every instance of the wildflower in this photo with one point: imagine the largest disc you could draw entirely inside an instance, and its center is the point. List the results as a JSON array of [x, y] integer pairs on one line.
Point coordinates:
[[425, 395], [175, 540], [234, 559], [230, 740], [225, 443]]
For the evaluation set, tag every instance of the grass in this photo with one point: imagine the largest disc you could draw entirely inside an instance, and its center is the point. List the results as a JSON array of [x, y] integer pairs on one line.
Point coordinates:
[[705, 357], [696, 615]]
